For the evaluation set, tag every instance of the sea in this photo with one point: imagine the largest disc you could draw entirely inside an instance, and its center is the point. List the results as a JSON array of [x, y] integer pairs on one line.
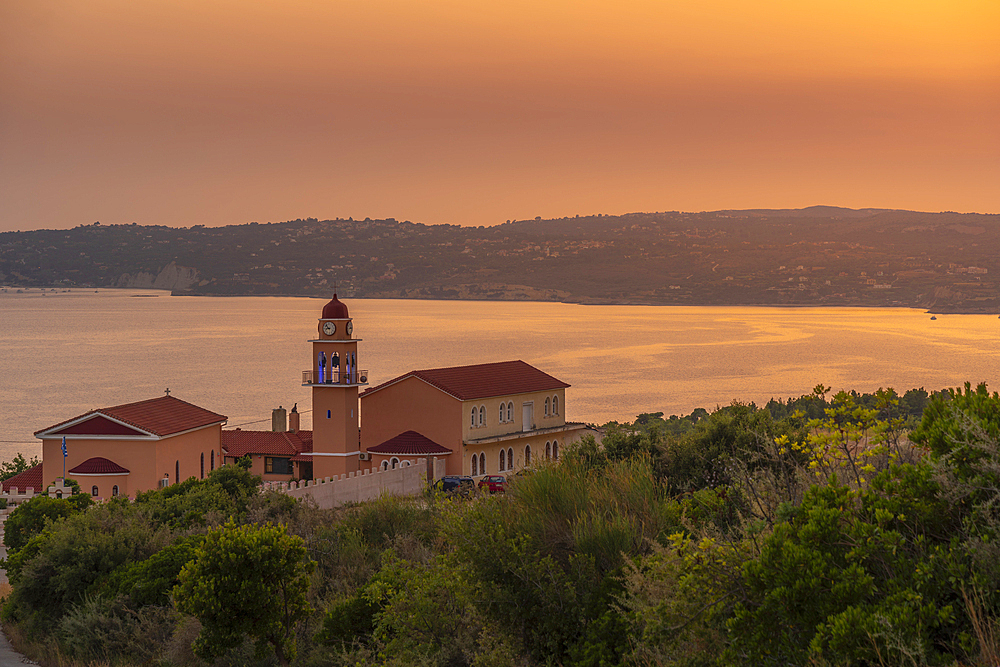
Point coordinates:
[[65, 352]]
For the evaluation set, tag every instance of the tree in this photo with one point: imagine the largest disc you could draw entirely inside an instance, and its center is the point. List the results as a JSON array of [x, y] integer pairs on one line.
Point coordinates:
[[30, 518], [16, 466], [964, 426], [246, 581]]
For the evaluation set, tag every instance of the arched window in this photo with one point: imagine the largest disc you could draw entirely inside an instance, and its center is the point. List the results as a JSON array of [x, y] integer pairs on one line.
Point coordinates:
[[503, 462], [472, 424], [213, 461], [527, 455], [482, 463], [546, 406], [385, 465], [555, 405], [548, 449], [177, 472], [114, 490], [475, 464], [393, 462], [503, 413], [482, 415], [555, 449], [510, 458], [203, 465], [93, 491]]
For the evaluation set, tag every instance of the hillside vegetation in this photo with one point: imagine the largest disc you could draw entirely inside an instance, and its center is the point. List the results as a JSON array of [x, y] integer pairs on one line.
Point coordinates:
[[824, 530], [814, 256]]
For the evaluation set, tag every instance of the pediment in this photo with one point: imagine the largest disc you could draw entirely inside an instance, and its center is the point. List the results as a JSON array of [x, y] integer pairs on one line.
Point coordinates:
[[98, 425]]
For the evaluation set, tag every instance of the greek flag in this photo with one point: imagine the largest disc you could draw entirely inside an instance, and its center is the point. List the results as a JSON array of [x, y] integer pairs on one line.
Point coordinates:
[[64, 447]]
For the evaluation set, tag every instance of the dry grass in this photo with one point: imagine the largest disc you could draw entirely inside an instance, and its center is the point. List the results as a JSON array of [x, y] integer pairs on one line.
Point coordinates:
[[986, 628], [43, 654]]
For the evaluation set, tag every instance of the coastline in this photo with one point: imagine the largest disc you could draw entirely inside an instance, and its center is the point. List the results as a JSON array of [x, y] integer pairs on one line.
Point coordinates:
[[143, 292]]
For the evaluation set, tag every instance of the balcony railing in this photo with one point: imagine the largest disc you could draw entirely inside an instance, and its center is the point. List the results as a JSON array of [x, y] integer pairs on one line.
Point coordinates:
[[335, 376]]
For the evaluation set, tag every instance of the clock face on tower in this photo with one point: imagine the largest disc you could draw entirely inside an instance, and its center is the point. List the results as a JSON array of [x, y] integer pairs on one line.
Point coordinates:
[[350, 328], [329, 328]]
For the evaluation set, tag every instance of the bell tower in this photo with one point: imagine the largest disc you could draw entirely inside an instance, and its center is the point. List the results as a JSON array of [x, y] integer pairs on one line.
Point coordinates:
[[335, 380]]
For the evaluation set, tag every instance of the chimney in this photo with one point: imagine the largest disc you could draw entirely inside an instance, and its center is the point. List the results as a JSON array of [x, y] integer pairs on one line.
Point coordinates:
[[293, 419], [279, 423]]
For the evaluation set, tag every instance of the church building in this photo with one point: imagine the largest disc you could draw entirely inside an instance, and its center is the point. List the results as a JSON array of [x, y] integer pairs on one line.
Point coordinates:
[[486, 418], [482, 419]]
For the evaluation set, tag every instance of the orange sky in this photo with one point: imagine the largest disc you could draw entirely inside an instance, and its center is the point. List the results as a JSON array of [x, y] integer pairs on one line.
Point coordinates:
[[180, 112]]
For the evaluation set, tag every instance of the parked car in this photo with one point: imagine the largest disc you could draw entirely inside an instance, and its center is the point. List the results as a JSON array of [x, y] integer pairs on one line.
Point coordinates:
[[493, 484], [459, 484]]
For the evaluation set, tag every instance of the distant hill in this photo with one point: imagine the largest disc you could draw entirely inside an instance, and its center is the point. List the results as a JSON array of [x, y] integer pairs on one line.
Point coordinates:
[[835, 212], [820, 255]]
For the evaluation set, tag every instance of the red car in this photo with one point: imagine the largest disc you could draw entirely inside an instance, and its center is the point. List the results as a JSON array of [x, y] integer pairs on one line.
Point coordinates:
[[493, 484]]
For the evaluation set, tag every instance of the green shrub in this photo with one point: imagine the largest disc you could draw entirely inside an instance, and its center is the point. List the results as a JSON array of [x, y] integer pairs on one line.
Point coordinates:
[[31, 517], [246, 582], [109, 630], [151, 581], [66, 564]]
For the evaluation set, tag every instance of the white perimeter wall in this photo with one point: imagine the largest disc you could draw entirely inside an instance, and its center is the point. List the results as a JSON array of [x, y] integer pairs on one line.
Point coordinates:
[[357, 487]]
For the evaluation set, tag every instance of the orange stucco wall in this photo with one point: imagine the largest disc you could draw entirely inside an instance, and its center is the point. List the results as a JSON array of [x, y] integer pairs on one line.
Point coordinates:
[[257, 467], [414, 405], [495, 427], [338, 433], [105, 484], [536, 442], [148, 461]]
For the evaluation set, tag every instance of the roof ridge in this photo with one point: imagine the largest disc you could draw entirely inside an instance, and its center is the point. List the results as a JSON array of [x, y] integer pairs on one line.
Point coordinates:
[[465, 366]]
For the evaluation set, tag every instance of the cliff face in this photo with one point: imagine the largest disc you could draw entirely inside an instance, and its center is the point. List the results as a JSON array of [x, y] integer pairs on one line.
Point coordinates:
[[171, 277]]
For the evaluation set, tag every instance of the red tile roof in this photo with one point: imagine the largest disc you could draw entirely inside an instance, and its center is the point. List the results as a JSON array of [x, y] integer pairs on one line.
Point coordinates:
[[239, 443], [161, 416], [98, 465], [29, 479], [409, 443], [467, 383]]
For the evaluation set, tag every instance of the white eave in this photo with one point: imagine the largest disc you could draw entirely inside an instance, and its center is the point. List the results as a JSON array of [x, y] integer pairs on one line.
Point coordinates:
[[99, 474], [520, 435]]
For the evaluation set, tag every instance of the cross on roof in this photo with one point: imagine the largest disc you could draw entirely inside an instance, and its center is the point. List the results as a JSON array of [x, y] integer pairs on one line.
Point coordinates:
[[167, 391]]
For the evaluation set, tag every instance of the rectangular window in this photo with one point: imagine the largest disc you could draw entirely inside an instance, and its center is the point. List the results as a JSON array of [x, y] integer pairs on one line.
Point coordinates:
[[277, 466]]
